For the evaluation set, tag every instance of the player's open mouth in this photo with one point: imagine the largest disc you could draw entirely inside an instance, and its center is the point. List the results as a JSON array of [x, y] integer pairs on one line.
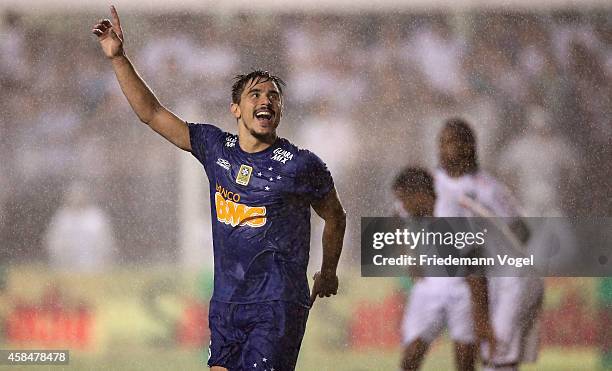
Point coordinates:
[[264, 116]]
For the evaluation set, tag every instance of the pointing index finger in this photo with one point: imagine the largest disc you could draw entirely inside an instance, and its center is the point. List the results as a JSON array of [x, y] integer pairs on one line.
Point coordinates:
[[115, 17]]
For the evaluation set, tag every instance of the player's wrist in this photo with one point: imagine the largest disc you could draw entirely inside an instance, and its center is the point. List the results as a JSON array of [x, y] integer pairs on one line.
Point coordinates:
[[119, 58], [328, 273]]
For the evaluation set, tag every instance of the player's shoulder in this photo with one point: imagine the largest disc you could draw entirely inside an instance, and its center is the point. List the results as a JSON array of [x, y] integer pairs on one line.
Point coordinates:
[[210, 131], [493, 188], [300, 155], [439, 174], [204, 126], [305, 162], [487, 181], [500, 197], [441, 179]]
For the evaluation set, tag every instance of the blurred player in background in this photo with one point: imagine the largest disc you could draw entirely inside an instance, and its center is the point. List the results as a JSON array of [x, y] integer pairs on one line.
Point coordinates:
[[261, 190], [464, 190], [80, 235], [460, 303]]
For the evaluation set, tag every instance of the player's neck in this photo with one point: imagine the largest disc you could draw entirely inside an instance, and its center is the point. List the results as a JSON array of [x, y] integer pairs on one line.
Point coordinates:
[[459, 171], [455, 173], [252, 144]]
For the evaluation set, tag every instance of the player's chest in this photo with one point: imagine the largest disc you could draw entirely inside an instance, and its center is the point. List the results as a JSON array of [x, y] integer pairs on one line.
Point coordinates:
[[261, 178]]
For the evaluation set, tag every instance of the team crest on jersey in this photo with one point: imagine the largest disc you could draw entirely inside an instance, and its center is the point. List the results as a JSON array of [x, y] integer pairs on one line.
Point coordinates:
[[244, 175]]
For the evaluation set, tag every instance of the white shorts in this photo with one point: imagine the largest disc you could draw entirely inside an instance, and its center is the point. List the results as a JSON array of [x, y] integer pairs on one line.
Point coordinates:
[[514, 306], [436, 302]]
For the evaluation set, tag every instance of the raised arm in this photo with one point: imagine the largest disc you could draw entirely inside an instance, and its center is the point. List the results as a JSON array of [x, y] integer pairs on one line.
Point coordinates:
[[331, 210], [139, 95]]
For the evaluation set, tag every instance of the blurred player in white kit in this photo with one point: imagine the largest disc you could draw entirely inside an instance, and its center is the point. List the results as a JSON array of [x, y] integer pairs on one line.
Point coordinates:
[[465, 191], [436, 302]]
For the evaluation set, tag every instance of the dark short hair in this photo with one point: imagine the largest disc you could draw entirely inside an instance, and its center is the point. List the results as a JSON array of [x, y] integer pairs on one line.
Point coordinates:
[[462, 130], [414, 179], [240, 82]]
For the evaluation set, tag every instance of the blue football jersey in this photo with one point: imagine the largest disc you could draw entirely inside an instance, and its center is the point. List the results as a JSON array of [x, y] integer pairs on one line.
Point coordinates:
[[260, 211]]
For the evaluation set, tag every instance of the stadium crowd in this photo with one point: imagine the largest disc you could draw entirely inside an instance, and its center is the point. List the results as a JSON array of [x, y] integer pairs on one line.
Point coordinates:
[[367, 93]]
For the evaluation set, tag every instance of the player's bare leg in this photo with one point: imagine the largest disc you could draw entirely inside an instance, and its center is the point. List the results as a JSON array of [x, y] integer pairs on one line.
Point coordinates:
[[414, 354], [465, 356]]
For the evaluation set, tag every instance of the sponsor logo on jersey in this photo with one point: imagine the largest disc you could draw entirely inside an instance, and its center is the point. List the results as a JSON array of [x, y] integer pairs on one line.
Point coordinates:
[[230, 211], [230, 141], [227, 194], [223, 163], [282, 155], [244, 175]]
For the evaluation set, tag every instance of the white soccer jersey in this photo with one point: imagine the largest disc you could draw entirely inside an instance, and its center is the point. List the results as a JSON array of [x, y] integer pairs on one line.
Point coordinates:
[[436, 302], [514, 301], [451, 194]]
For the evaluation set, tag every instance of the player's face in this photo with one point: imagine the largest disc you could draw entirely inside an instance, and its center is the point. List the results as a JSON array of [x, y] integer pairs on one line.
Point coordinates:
[[260, 108], [417, 204], [454, 153]]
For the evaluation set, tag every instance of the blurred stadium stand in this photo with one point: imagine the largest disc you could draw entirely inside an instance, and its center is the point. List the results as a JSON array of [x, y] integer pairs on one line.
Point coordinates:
[[535, 79]]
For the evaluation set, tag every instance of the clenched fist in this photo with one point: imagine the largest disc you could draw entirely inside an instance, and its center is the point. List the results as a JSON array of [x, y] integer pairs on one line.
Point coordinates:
[[110, 35], [325, 284]]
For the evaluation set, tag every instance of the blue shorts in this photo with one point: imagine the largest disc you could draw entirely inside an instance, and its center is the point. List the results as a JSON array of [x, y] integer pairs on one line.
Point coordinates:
[[259, 336]]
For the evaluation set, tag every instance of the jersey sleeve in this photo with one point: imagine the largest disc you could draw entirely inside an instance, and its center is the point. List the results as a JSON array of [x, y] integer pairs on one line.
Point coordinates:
[[313, 179], [202, 138]]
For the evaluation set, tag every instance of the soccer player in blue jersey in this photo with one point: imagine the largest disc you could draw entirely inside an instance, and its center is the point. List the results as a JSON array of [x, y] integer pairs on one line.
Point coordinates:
[[261, 191]]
